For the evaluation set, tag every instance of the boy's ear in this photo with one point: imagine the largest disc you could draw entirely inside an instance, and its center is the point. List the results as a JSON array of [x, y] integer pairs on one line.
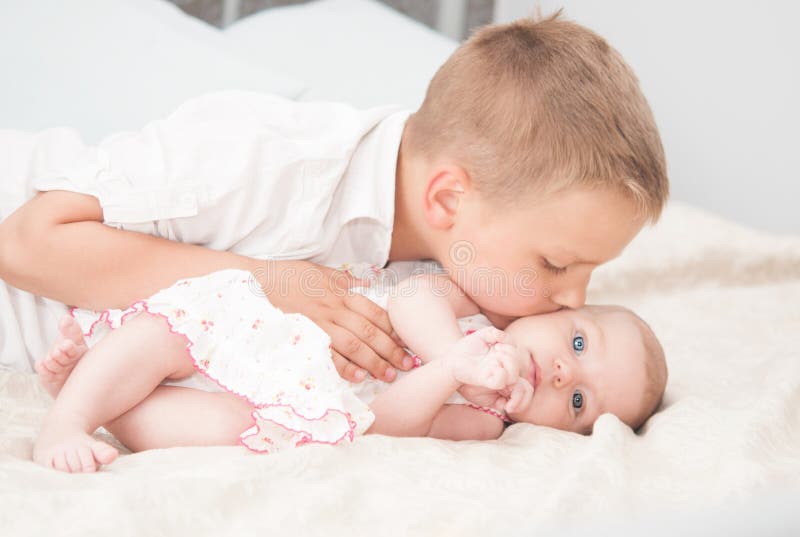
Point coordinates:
[[444, 192]]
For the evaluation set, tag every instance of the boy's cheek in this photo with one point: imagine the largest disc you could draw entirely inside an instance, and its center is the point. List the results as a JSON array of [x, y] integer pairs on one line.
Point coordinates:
[[497, 320]]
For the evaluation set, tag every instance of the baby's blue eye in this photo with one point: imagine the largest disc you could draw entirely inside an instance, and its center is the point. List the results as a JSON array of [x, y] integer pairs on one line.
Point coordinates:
[[578, 344], [577, 400]]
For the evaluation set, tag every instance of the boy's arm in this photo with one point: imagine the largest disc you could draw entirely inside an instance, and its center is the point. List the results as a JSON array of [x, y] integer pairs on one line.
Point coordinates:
[[57, 246], [424, 312]]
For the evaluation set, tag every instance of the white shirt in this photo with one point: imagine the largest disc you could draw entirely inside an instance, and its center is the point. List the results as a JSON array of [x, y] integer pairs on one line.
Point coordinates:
[[256, 174]]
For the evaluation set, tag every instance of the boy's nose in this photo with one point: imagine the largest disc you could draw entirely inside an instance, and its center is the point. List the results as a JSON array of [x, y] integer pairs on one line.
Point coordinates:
[[562, 373], [571, 297], [572, 293]]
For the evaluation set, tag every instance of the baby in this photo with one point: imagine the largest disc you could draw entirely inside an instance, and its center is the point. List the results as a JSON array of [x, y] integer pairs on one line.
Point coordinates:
[[209, 361]]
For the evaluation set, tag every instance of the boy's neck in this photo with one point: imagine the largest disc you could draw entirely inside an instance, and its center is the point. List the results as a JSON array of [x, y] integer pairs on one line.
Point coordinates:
[[408, 236]]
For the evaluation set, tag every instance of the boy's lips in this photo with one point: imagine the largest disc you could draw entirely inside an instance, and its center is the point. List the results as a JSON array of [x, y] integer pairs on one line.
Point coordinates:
[[535, 373]]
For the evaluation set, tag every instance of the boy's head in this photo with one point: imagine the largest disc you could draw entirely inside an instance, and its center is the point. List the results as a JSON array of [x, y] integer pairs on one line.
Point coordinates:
[[587, 362], [522, 115]]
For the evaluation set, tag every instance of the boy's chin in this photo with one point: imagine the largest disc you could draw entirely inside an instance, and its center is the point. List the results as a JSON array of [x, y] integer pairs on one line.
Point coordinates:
[[498, 320]]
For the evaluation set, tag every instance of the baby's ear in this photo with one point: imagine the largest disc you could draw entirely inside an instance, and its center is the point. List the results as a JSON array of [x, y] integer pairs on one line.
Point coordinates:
[[446, 186]]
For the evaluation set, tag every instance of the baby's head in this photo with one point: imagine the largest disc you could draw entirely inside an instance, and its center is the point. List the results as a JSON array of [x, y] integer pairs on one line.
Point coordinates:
[[538, 153], [587, 362]]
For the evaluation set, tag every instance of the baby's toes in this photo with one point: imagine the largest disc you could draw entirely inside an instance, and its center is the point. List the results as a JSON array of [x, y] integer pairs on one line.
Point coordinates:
[[73, 458], [48, 368], [58, 460], [40, 369], [54, 360], [103, 453], [71, 330], [69, 353], [86, 458]]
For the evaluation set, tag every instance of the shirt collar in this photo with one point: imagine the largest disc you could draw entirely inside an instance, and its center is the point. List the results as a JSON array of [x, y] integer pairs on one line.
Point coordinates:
[[370, 179]]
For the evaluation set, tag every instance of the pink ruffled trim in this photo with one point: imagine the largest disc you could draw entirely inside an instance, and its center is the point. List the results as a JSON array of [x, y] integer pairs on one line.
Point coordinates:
[[306, 437], [496, 413]]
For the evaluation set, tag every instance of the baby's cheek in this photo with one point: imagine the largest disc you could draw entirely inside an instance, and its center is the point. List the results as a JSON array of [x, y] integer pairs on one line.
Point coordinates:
[[545, 410]]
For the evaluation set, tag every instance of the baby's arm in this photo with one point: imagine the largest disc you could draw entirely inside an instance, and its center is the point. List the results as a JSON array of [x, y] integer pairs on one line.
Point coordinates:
[[423, 312], [415, 404]]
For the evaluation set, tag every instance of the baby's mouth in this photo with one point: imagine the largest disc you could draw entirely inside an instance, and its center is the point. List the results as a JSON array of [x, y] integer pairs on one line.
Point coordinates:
[[535, 373]]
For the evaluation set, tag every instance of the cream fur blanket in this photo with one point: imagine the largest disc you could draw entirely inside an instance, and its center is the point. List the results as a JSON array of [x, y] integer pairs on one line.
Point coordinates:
[[726, 303]]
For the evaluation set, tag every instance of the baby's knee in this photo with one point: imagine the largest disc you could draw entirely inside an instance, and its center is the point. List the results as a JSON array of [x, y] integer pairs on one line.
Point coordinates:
[[169, 344]]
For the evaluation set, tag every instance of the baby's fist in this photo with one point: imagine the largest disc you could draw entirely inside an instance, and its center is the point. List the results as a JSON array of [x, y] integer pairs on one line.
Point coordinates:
[[481, 359]]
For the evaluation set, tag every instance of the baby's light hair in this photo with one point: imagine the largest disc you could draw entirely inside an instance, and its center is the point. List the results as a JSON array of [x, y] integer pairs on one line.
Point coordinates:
[[543, 106], [656, 373], [655, 367]]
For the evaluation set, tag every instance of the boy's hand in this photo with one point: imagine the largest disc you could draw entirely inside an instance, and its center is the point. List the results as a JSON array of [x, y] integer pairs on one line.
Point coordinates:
[[362, 338]]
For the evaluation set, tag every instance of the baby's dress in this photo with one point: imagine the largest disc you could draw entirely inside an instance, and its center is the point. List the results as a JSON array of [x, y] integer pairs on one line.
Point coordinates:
[[280, 362]]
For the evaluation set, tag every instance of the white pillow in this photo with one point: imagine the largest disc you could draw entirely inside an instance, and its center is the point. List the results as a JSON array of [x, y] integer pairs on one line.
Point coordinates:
[[355, 51], [102, 66]]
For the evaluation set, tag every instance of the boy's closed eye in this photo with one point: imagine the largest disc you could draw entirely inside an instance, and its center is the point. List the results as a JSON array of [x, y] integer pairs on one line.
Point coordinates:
[[552, 267]]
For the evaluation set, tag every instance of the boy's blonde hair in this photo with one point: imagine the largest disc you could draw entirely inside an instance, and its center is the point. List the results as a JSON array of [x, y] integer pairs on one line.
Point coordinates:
[[543, 105]]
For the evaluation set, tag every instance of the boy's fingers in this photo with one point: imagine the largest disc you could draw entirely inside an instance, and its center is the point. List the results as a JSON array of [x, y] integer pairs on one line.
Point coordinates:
[[375, 338], [347, 369], [344, 279], [373, 312], [355, 350]]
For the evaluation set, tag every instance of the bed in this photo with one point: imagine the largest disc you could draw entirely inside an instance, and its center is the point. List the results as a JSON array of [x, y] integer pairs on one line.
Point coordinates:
[[721, 457]]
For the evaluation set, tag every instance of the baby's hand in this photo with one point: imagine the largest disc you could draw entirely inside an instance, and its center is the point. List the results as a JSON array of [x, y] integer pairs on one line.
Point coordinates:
[[482, 359], [519, 396]]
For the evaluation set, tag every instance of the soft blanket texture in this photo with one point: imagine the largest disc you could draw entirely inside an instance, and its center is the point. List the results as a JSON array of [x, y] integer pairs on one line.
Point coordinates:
[[725, 302]]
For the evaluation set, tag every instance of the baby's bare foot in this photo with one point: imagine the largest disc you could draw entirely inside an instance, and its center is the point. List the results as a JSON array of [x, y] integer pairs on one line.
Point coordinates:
[[68, 348], [71, 450]]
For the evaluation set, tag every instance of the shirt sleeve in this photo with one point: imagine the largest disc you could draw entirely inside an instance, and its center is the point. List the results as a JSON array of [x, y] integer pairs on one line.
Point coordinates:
[[246, 172], [186, 177], [136, 175]]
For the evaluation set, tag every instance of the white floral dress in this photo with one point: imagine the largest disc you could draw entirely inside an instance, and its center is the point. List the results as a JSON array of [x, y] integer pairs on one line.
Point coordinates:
[[280, 362]]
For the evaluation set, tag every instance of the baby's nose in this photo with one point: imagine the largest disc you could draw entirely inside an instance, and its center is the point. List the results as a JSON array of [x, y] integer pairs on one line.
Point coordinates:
[[562, 373]]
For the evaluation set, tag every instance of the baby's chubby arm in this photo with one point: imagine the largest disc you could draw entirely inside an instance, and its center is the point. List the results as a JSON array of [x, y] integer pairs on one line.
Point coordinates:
[[424, 310], [415, 404]]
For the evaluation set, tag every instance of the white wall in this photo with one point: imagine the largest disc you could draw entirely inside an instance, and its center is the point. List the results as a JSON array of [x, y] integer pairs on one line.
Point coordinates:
[[723, 79]]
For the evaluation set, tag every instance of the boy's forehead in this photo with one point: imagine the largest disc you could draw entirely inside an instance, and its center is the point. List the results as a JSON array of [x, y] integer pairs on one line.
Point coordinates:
[[585, 226]]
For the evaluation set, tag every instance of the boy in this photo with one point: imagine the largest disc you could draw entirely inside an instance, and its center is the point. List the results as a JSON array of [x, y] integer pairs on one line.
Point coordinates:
[[534, 156]]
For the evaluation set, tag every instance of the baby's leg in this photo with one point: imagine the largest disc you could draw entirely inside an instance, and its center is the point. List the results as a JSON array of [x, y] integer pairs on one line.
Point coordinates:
[[110, 379], [174, 416]]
